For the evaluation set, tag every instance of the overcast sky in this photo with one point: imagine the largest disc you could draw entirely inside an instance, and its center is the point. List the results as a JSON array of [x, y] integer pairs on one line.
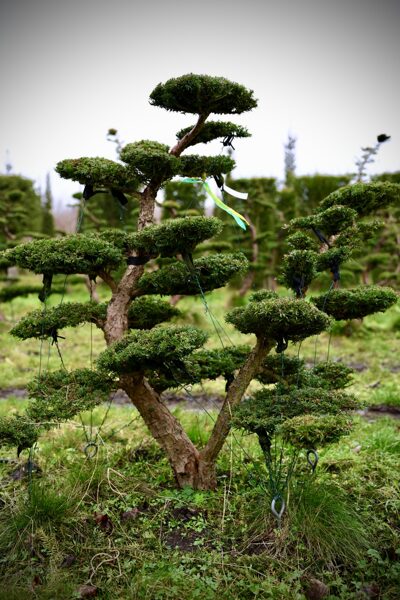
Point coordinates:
[[326, 71]]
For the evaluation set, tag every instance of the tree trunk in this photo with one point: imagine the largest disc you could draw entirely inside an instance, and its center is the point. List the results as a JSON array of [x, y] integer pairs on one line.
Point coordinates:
[[190, 466], [247, 283], [235, 393], [184, 457], [117, 311]]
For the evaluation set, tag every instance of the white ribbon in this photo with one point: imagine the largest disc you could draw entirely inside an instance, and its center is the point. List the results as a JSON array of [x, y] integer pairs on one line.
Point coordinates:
[[240, 195]]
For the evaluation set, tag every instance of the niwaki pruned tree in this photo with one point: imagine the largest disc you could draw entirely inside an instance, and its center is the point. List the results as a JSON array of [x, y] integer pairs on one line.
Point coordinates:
[[307, 408], [22, 217], [145, 356]]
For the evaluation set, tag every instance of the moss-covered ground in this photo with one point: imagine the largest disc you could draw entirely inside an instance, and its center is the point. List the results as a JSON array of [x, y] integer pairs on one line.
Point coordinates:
[[114, 526]]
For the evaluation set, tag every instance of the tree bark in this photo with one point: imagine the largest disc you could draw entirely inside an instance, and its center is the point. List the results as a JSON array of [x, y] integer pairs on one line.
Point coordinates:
[[235, 393], [116, 324], [189, 137], [191, 466], [182, 454], [117, 312]]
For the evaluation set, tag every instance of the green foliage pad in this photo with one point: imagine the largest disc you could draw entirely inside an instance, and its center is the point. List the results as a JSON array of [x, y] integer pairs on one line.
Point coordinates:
[[292, 319], [313, 431], [208, 273], [203, 94], [151, 349], [269, 408], [73, 254], [144, 313], [60, 395], [356, 303], [96, 171], [175, 236], [213, 130]]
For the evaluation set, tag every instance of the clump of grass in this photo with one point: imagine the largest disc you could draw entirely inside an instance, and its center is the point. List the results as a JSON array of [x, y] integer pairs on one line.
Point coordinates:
[[44, 506], [327, 523], [389, 395], [384, 439], [41, 510]]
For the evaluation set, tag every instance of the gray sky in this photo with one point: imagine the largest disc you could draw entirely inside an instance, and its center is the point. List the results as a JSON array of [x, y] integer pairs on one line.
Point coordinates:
[[325, 70]]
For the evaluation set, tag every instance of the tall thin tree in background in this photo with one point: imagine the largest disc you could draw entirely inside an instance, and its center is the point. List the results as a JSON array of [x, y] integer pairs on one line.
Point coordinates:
[[47, 205], [290, 159], [368, 157]]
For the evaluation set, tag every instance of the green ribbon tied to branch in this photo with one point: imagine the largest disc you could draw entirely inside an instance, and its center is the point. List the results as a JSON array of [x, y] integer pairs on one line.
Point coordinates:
[[240, 220]]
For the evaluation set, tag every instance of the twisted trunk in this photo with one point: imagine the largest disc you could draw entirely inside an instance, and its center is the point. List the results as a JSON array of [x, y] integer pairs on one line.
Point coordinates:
[[190, 466], [166, 430]]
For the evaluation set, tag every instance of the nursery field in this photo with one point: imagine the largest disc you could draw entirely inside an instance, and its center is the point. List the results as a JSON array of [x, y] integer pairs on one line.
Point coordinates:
[[114, 526]]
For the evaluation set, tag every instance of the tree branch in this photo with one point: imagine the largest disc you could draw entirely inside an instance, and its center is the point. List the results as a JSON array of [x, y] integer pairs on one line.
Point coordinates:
[[235, 393], [108, 279], [117, 312], [183, 143]]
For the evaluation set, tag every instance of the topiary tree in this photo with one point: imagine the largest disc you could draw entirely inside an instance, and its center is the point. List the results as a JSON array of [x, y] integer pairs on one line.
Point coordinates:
[[144, 356], [138, 348], [20, 210], [307, 407]]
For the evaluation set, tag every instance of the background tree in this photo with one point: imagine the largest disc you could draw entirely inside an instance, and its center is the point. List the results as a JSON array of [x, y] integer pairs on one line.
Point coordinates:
[[368, 157], [290, 160], [21, 216], [260, 242], [183, 200], [47, 210], [20, 209]]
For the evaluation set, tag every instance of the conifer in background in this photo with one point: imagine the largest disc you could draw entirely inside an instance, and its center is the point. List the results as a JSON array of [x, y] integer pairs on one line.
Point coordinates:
[[261, 241], [48, 228], [20, 210], [21, 218], [183, 200]]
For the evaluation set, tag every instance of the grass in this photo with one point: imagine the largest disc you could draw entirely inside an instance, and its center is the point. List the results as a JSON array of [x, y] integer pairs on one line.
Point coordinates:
[[328, 524], [340, 525], [117, 522]]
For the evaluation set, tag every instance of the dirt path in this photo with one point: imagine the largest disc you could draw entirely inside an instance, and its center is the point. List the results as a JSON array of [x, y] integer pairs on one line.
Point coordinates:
[[201, 402], [184, 400]]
